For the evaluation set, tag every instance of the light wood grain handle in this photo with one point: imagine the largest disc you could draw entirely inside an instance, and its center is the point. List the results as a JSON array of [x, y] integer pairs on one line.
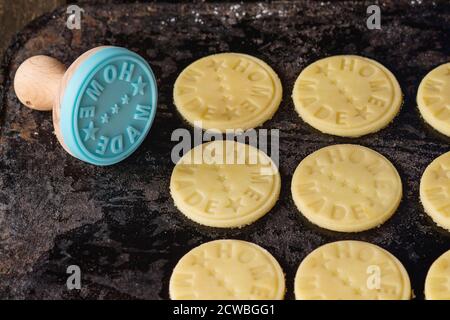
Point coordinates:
[[37, 82]]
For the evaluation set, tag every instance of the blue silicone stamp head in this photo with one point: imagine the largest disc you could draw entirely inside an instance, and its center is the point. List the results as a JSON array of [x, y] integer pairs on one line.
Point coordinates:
[[108, 106]]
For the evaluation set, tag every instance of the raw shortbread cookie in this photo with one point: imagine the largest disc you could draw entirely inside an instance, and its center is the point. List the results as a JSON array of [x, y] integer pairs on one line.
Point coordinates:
[[346, 188], [227, 270], [437, 283], [347, 95], [434, 188], [433, 98], [351, 270], [225, 184], [227, 91]]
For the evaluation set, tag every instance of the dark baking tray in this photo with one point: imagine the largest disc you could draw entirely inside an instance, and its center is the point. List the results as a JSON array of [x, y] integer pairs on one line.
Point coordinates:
[[119, 224]]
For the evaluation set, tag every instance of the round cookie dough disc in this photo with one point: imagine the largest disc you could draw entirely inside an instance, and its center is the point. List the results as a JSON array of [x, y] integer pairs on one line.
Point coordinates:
[[347, 188], [227, 91], [351, 270], [227, 270], [225, 184], [347, 95], [433, 98], [438, 279], [434, 186]]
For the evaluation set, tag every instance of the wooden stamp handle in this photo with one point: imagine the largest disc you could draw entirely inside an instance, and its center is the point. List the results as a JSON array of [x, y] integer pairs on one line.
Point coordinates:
[[37, 82]]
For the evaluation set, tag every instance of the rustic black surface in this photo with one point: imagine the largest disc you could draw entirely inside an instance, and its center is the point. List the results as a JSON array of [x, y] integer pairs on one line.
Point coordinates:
[[14, 15], [119, 223]]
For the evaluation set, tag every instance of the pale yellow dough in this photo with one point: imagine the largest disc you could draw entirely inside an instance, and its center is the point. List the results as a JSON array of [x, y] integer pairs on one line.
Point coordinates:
[[227, 91], [433, 98], [437, 283], [435, 190], [225, 184], [351, 270], [227, 270], [347, 95], [347, 188]]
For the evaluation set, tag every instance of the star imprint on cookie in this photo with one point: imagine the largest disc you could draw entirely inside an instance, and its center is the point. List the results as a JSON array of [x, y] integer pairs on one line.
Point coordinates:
[[234, 204]]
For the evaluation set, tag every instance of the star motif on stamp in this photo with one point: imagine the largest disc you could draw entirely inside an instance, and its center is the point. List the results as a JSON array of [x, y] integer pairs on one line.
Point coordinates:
[[115, 109], [138, 86], [90, 131], [105, 118], [125, 99]]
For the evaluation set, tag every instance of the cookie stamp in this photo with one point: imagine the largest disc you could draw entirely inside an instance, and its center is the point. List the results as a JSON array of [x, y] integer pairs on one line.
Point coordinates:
[[227, 91], [227, 270], [437, 283], [347, 188], [433, 98], [435, 190], [103, 104], [225, 184], [347, 95], [351, 270]]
